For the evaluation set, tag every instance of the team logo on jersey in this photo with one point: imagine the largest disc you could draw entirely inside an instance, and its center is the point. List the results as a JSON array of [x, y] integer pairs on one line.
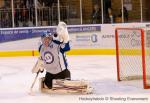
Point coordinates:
[[48, 57]]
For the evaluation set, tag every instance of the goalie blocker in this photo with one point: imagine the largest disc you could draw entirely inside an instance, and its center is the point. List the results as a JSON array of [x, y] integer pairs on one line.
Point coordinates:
[[61, 86]]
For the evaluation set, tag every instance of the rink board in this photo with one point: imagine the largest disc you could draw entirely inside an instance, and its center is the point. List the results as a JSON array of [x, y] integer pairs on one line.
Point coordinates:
[[85, 39], [71, 52]]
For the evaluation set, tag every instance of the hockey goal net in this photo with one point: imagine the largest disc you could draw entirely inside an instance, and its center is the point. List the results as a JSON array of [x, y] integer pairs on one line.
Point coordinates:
[[133, 55]]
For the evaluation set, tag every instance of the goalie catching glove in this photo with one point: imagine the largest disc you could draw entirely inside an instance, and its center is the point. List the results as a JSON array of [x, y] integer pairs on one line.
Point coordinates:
[[62, 32], [39, 66]]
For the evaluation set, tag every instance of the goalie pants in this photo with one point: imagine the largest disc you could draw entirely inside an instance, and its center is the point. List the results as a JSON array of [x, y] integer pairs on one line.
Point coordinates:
[[62, 75]]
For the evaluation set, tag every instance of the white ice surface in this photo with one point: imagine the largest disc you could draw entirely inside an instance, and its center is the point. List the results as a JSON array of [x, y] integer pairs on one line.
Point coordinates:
[[16, 79]]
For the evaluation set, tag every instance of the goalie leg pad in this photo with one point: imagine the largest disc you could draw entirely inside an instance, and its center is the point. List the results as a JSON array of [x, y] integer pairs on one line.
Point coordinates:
[[62, 75], [61, 86]]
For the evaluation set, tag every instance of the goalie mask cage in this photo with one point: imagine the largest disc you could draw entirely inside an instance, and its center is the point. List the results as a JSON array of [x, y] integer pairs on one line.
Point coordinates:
[[133, 55]]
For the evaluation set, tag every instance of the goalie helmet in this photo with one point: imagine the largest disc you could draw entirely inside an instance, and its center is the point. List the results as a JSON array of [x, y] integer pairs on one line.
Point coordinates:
[[46, 34]]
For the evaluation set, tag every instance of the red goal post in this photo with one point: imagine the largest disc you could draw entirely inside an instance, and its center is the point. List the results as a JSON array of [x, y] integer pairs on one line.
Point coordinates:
[[133, 55]]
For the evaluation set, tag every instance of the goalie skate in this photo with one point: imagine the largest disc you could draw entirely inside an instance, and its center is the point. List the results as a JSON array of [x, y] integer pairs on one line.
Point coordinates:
[[61, 86]]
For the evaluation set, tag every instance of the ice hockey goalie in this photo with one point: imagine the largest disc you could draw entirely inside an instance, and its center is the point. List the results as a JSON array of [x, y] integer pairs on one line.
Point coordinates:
[[61, 86]]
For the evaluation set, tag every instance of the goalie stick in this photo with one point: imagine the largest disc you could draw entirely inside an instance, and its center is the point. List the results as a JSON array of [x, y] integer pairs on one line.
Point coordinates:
[[31, 88]]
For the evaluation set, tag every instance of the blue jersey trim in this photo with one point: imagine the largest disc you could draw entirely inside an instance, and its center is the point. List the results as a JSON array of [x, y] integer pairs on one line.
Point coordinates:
[[57, 42], [64, 59], [40, 47], [66, 47]]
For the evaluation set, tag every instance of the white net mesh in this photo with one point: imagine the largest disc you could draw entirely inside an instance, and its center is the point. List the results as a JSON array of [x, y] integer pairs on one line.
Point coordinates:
[[130, 54], [130, 59]]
